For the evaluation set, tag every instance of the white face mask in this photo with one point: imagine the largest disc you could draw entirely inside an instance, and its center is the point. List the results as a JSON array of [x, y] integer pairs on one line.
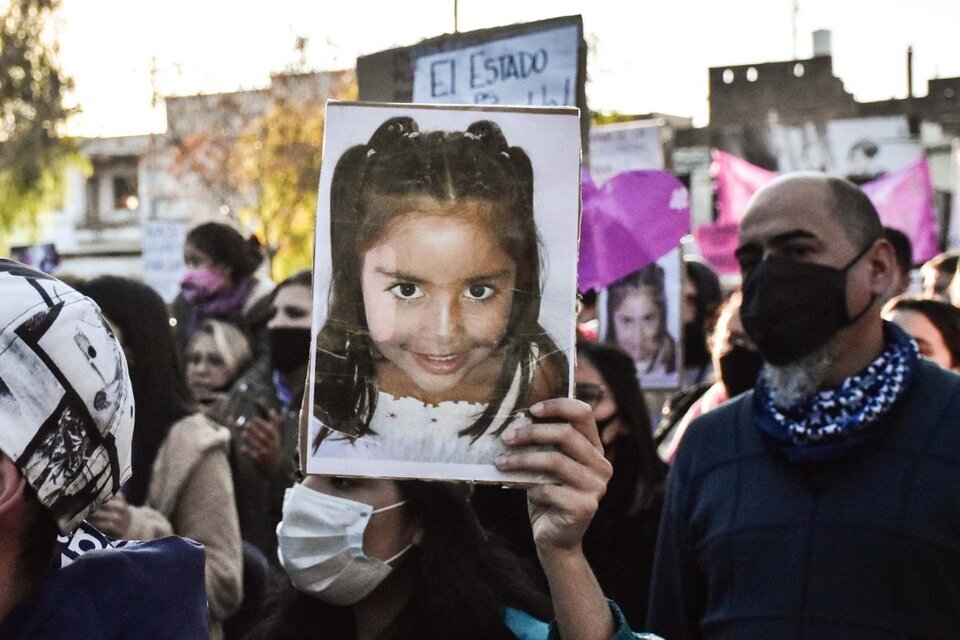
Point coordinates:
[[320, 546]]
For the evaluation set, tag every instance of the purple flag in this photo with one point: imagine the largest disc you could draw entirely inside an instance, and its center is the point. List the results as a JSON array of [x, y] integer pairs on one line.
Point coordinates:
[[632, 220], [904, 200]]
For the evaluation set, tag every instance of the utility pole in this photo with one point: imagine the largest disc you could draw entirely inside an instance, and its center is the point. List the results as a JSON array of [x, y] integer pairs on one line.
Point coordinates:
[[456, 21]]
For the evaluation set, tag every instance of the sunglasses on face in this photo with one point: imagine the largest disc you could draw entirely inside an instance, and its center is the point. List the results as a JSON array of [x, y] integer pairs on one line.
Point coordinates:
[[590, 393]]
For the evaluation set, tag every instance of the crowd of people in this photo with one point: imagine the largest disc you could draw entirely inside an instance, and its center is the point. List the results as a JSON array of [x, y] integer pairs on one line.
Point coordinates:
[[798, 486]]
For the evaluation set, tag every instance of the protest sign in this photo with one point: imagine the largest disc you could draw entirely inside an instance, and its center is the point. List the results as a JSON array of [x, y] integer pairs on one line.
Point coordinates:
[[860, 149], [953, 237], [615, 148], [537, 68], [163, 256], [435, 327], [534, 63], [641, 314]]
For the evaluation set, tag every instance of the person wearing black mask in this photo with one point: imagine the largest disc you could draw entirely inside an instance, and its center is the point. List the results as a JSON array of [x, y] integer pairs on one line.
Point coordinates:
[[701, 297], [262, 410], [737, 364], [824, 503]]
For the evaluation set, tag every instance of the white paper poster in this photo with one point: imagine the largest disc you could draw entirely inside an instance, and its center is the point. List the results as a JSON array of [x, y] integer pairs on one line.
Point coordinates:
[[640, 313], [163, 256], [444, 286]]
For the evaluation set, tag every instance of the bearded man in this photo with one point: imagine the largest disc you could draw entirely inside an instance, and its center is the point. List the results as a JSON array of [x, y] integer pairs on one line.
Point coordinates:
[[825, 503]]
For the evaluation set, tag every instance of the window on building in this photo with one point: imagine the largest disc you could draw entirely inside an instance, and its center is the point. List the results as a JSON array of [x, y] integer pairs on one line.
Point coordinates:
[[752, 74], [728, 76], [125, 193]]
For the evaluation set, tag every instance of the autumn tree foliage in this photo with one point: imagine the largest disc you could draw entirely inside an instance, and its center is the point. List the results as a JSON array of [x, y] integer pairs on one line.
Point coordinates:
[[262, 161]]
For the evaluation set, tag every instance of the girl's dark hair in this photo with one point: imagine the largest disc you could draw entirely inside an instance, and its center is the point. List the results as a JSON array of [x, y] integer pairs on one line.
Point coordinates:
[[942, 315], [649, 279], [159, 387], [459, 581], [226, 246], [638, 472], [375, 182]]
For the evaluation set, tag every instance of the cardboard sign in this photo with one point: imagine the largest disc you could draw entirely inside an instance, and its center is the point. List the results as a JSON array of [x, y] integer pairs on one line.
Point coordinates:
[[533, 69], [445, 275]]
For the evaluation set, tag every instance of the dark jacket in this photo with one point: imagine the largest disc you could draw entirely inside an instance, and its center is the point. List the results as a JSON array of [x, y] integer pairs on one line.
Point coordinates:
[[260, 497], [865, 547], [148, 591]]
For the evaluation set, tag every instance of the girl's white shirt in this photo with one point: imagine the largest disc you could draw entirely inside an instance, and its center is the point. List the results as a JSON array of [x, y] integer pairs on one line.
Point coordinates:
[[409, 430]]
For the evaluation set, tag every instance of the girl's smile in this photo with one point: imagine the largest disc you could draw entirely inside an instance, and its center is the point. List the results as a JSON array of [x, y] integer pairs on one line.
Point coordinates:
[[437, 290]]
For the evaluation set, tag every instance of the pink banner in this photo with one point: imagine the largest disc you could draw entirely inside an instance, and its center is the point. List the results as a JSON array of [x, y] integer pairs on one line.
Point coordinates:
[[904, 200], [717, 244], [737, 181]]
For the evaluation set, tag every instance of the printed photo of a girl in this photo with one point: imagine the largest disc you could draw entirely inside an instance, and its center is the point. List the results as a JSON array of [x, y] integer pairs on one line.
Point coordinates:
[[430, 344]]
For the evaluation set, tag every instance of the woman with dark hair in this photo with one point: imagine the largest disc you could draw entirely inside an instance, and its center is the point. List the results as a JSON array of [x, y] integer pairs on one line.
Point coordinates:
[[181, 481], [371, 558], [620, 542], [934, 324], [220, 282], [701, 298]]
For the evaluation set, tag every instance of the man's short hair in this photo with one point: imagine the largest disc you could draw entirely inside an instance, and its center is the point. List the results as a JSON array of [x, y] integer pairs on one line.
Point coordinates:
[[855, 213], [901, 248]]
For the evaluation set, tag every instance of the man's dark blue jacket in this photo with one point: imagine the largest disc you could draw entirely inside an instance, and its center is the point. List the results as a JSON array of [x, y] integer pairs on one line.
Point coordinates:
[[868, 546]]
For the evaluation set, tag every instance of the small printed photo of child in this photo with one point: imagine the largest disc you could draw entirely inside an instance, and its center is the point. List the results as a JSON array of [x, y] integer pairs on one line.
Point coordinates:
[[641, 314], [445, 285]]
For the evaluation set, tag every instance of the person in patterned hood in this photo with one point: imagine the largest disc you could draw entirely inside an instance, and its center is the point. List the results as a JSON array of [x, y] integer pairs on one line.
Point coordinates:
[[824, 503], [66, 424]]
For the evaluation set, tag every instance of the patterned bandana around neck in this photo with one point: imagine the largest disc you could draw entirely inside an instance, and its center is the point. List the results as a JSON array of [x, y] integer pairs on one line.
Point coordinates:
[[830, 423]]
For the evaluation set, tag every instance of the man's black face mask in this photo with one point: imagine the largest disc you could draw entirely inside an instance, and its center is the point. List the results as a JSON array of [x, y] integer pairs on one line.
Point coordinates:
[[790, 309]]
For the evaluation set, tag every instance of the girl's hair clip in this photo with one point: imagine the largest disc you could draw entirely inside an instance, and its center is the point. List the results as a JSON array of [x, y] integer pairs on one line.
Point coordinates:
[[370, 152], [412, 134]]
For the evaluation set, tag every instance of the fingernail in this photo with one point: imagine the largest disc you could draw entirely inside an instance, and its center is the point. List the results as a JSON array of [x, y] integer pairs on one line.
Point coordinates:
[[537, 408], [509, 436], [501, 461]]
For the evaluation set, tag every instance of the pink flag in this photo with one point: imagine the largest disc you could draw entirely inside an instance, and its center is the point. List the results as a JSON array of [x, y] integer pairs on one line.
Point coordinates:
[[717, 244], [904, 200], [737, 181]]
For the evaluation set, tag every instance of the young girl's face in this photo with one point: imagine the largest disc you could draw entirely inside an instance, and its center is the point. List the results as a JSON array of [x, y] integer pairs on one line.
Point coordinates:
[[638, 325], [437, 293]]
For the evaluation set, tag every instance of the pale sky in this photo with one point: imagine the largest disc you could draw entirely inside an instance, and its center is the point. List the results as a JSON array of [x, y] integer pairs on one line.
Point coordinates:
[[648, 56]]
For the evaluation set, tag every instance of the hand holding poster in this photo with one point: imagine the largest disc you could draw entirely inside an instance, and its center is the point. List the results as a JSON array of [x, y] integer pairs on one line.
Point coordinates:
[[437, 327]]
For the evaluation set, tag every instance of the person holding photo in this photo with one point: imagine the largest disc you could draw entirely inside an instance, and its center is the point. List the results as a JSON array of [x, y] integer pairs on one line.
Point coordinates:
[[434, 302], [638, 321], [372, 558]]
